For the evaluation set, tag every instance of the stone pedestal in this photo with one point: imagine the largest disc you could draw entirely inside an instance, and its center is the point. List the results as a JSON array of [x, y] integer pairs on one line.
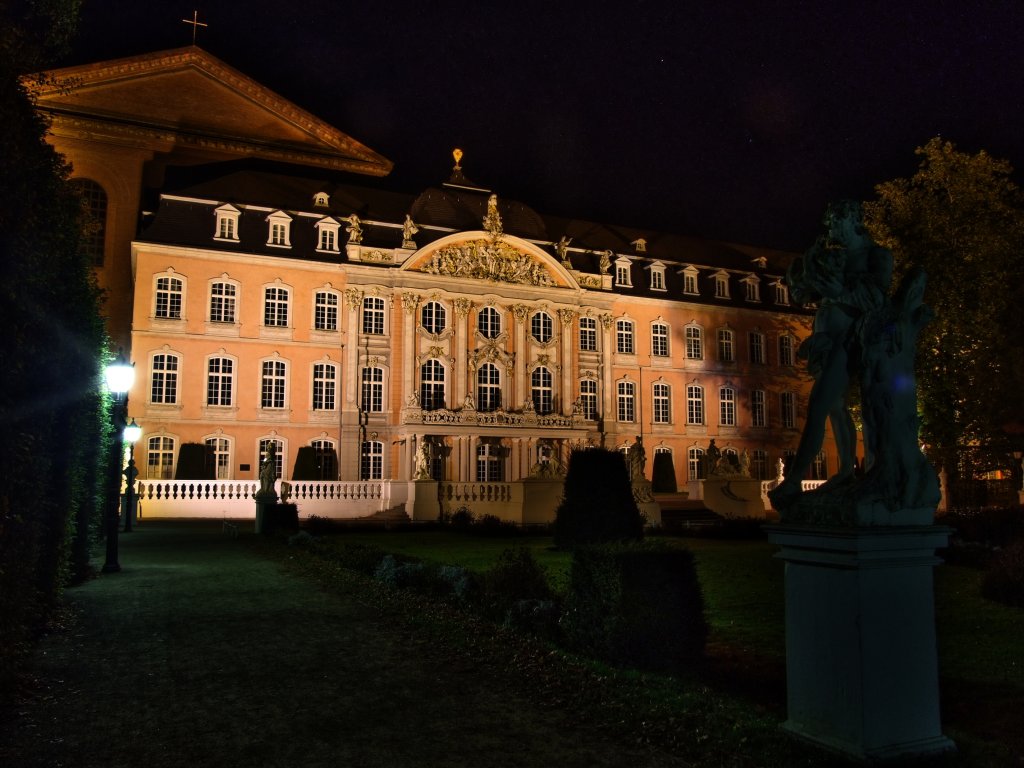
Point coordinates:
[[263, 503], [734, 497], [861, 662], [422, 504], [643, 494]]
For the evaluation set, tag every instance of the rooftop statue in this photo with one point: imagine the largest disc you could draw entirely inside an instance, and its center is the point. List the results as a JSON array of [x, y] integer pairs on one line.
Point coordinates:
[[860, 334]]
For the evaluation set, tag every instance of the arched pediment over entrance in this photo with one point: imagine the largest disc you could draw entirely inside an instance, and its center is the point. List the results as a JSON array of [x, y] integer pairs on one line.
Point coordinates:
[[482, 256]]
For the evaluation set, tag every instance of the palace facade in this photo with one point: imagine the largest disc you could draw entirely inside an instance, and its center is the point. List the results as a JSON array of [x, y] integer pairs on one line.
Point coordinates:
[[271, 290]]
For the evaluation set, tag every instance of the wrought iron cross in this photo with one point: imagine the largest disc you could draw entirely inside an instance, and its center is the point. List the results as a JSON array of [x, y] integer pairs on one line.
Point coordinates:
[[196, 23]]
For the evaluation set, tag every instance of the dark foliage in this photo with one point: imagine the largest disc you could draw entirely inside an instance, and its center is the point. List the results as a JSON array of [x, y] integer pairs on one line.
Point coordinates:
[[598, 505], [663, 479], [195, 462], [636, 604], [1004, 580], [312, 465], [994, 527]]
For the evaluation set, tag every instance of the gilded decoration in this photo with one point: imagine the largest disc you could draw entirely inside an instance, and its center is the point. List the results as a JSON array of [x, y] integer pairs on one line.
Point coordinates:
[[492, 221], [462, 306], [353, 298], [488, 260], [606, 321], [409, 301], [377, 255], [566, 316], [588, 281], [520, 311]]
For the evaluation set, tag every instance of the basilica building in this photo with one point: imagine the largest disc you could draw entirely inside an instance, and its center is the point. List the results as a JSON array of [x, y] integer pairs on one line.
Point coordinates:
[[271, 288]]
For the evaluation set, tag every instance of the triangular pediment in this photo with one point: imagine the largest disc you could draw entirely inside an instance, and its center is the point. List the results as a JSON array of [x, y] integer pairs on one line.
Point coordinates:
[[482, 256], [190, 99]]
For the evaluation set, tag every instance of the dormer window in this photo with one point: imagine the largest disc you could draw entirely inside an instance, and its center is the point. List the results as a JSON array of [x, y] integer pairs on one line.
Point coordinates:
[[279, 234], [622, 274], [690, 281], [321, 199], [327, 235], [781, 293], [227, 223], [657, 276], [751, 288], [721, 285], [640, 244]]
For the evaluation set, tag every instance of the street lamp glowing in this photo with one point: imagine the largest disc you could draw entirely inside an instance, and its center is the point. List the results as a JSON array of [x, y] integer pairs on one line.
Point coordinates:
[[120, 376], [132, 432]]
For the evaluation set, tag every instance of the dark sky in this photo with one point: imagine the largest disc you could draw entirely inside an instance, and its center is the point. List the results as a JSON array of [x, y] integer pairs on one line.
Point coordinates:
[[731, 120]]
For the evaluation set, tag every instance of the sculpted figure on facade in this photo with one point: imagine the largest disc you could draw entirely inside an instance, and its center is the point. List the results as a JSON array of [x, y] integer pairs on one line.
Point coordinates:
[[354, 229], [562, 249], [409, 229], [606, 261], [492, 221]]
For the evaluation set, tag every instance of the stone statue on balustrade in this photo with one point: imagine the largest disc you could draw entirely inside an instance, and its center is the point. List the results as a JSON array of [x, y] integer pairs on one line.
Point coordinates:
[[861, 336], [421, 471], [268, 475]]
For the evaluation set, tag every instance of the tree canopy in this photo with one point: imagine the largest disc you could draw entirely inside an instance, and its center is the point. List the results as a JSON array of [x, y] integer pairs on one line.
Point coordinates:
[[961, 218]]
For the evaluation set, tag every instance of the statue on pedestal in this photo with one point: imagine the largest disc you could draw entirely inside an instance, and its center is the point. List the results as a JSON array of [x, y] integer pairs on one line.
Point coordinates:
[[268, 474]]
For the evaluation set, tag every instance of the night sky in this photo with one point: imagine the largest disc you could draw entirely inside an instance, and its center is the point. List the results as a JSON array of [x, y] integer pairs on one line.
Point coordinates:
[[711, 119]]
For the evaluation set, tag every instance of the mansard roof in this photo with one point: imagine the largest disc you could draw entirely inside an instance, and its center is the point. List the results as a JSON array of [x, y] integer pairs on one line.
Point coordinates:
[[187, 102]]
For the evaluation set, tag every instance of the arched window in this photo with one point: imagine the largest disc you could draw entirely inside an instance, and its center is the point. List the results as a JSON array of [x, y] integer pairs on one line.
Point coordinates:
[[626, 401], [371, 465], [219, 451], [275, 306], [588, 334], [588, 398], [326, 459], [726, 345], [727, 407], [325, 383], [432, 385], [372, 392], [786, 349], [662, 403], [373, 315], [624, 340], [541, 327], [160, 458], [489, 464], [488, 322], [220, 379], [695, 464], [694, 342], [488, 388], [169, 292], [325, 313], [223, 302], [432, 317], [273, 384], [694, 404], [659, 340], [94, 231], [164, 383], [540, 390]]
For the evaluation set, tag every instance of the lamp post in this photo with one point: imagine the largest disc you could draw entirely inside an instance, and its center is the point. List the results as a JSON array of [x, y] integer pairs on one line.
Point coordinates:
[[132, 433], [119, 375]]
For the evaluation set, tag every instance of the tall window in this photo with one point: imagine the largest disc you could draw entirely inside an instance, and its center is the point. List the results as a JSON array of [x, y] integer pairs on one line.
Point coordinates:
[[373, 315], [219, 451], [223, 297], [220, 377], [624, 337], [588, 334], [488, 387], [657, 278], [694, 343], [540, 390], [278, 455], [94, 235], [785, 350], [168, 297], [696, 469], [787, 408], [273, 384], [622, 274], [759, 464], [721, 287], [625, 410], [662, 404], [226, 228], [371, 465], [588, 398], [489, 463], [781, 294], [327, 235], [160, 458], [325, 311], [727, 407], [758, 409], [432, 385], [372, 390], [326, 459], [280, 229], [432, 317], [756, 341], [752, 290], [275, 307], [541, 327], [690, 282], [488, 322], [726, 345], [164, 389], [325, 382], [659, 340], [694, 404], [819, 467]]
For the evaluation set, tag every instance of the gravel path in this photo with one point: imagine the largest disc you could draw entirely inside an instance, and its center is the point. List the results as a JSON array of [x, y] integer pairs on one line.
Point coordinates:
[[202, 653]]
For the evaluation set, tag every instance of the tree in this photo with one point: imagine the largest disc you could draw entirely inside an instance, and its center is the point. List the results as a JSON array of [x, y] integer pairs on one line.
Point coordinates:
[[961, 218]]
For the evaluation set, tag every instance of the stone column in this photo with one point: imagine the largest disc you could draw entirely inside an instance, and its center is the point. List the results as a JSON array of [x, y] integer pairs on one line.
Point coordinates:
[[568, 393], [409, 303], [607, 396], [461, 351], [519, 389], [354, 301], [861, 660]]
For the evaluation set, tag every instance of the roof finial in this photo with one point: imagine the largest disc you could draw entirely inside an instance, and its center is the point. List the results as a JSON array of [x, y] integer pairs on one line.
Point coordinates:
[[457, 154], [196, 23]]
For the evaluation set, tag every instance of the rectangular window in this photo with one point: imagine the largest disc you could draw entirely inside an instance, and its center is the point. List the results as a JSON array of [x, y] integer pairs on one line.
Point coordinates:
[[274, 381], [327, 239], [759, 464], [726, 346], [758, 409], [721, 287], [756, 342], [372, 390], [588, 399], [226, 230], [160, 458], [622, 275], [220, 372], [753, 291], [373, 315], [164, 390], [220, 455], [690, 283], [489, 463], [787, 403], [695, 464], [657, 280], [325, 377], [694, 343], [326, 311], [371, 465], [694, 404], [168, 298], [781, 294], [659, 340], [624, 337], [785, 350], [222, 303], [278, 234], [625, 411], [727, 407], [275, 307], [662, 404], [588, 334]]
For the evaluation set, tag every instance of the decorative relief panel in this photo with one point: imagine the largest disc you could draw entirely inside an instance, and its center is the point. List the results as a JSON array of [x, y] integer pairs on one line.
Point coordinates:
[[488, 260]]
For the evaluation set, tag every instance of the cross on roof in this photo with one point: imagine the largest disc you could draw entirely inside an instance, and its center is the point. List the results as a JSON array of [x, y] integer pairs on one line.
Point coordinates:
[[196, 23]]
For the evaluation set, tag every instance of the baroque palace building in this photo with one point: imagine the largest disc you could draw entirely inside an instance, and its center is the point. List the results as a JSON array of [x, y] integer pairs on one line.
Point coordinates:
[[270, 288]]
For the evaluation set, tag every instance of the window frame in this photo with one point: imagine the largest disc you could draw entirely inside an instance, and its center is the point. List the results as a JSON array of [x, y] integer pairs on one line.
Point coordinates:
[[433, 390], [227, 312], [588, 334], [660, 336], [488, 388], [727, 406], [491, 328], [694, 335], [696, 413], [434, 318], [164, 378], [625, 402], [169, 299], [625, 336], [661, 399], [274, 385], [726, 345], [324, 384], [371, 389], [374, 316], [272, 306], [220, 384]]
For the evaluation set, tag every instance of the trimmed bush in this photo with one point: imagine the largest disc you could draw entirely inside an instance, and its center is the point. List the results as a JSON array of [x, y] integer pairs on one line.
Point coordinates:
[[195, 462], [598, 505], [636, 604], [516, 576], [663, 478], [1004, 580], [995, 527]]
